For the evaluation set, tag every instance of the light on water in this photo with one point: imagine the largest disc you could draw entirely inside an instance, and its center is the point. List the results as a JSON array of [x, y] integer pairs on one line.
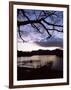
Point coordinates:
[[40, 60]]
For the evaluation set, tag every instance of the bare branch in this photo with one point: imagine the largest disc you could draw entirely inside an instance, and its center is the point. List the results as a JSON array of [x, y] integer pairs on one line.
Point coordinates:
[[20, 34], [52, 24], [34, 26], [56, 30], [45, 28], [40, 19]]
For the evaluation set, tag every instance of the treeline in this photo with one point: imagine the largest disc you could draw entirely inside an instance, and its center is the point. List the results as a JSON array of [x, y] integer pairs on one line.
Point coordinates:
[[57, 52]]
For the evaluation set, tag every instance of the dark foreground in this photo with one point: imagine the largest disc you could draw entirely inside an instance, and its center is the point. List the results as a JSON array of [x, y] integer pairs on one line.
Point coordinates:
[[24, 73]]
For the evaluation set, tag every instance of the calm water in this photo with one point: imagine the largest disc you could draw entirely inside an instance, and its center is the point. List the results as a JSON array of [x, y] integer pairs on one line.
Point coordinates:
[[37, 61]]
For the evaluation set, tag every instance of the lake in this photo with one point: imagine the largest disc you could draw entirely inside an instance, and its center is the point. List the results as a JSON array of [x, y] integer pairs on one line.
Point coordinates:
[[39, 67], [37, 61]]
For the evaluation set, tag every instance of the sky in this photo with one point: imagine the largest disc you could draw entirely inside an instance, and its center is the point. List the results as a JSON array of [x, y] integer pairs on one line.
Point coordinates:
[[35, 40]]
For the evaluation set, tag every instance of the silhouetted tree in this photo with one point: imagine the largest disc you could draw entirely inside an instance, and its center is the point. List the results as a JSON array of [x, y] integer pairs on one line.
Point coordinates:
[[40, 21]]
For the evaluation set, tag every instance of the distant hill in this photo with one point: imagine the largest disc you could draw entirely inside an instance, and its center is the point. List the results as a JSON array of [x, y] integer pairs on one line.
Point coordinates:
[[57, 52]]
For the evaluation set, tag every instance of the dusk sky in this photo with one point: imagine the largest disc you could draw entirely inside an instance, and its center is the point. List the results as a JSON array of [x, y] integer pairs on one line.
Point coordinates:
[[35, 40]]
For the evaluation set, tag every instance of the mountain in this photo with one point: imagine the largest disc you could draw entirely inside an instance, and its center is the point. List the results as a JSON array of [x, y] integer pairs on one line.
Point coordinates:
[[57, 52]]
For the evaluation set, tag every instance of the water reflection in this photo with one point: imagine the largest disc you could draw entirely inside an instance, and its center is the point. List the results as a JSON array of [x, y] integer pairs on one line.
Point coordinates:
[[37, 61]]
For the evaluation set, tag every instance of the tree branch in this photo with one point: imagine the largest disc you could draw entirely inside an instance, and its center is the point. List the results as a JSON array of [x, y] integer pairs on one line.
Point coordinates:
[[27, 22], [25, 14], [34, 26], [45, 29], [52, 24], [56, 30], [20, 34], [41, 20]]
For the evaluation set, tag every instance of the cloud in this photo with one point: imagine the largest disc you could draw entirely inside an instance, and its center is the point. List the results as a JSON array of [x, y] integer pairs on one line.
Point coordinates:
[[56, 42]]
